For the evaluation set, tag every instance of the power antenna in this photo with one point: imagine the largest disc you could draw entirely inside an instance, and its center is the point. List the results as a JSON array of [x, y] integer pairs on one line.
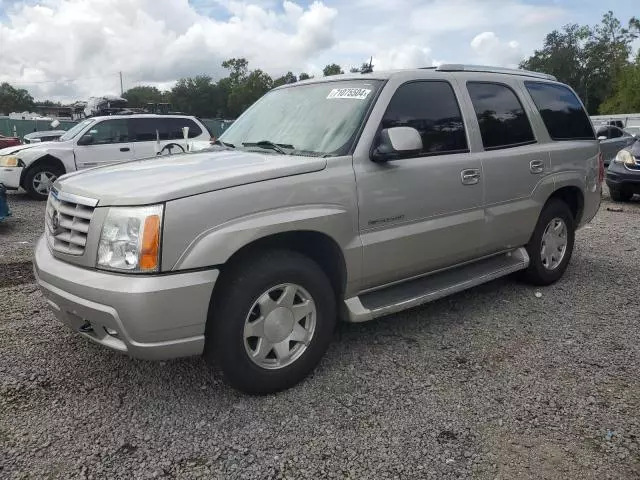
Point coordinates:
[[368, 68]]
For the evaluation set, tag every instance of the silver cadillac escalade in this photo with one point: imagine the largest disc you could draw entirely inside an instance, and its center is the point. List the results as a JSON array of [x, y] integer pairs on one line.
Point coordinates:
[[341, 198]]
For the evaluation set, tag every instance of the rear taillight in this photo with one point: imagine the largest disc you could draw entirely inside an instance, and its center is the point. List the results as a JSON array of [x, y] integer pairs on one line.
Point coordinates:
[[601, 167]]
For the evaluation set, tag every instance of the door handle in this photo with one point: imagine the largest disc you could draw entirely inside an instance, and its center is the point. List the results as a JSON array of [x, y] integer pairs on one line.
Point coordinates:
[[470, 176], [536, 166], [124, 149]]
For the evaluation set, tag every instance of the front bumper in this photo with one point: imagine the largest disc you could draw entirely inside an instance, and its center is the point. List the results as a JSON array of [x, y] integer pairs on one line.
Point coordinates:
[[153, 317], [620, 177], [10, 177]]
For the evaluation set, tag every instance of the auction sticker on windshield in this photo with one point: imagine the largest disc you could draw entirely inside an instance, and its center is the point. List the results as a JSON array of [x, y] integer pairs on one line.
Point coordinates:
[[357, 93]]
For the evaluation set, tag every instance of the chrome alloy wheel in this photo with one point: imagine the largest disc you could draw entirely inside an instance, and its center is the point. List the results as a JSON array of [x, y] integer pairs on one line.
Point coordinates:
[[554, 244], [280, 326], [43, 181]]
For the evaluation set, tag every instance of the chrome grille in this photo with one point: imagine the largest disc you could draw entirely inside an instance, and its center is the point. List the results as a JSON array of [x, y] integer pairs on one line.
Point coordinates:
[[67, 222]]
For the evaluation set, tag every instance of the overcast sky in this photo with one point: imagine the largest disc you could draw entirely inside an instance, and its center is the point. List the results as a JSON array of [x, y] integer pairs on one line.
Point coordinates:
[[72, 49]]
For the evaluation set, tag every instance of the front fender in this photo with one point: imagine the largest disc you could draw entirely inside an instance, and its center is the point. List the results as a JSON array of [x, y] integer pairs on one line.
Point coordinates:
[[216, 245]]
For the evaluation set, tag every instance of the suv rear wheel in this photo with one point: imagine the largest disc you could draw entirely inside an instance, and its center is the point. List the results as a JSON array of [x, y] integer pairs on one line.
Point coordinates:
[[551, 244], [272, 321], [40, 178]]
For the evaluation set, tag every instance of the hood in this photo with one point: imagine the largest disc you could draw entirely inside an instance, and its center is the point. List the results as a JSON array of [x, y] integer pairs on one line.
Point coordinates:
[[156, 180], [30, 146], [634, 148]]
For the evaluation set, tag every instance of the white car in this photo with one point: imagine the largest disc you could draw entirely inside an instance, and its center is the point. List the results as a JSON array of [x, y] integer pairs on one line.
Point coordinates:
[[98, 141]]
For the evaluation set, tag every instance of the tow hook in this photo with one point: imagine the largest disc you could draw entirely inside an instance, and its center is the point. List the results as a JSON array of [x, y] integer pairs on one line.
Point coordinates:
[[86, 327]]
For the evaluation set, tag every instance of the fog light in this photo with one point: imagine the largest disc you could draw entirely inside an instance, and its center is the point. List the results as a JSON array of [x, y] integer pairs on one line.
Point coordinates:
[[111, 331]]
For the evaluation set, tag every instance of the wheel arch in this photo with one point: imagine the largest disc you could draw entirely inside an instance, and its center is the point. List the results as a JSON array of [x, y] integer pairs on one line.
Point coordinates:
[[318, 246], [573, 197], [45, 159]]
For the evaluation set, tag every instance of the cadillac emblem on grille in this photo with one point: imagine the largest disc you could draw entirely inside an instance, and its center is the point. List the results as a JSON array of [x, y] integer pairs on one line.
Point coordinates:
[[55, 223]]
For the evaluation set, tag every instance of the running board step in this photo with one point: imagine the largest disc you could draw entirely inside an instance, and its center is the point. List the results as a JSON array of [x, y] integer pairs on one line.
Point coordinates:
[[432, 287]]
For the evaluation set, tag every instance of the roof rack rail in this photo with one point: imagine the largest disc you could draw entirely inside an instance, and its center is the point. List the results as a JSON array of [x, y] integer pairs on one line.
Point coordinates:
[[454, 67]]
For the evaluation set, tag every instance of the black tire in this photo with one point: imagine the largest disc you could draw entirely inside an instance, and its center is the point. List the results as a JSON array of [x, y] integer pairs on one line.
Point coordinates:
[[537, 273], [34, 172], [241, 287], [620, 195]]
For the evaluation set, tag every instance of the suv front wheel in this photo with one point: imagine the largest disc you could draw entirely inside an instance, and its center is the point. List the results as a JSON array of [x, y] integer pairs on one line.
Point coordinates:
[[271, 322], [551, 244]]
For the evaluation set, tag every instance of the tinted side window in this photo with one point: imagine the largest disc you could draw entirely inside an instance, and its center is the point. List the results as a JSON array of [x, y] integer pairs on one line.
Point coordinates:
[[432, 109], [174, 127], [144, 129], [503, 122], [561, 111], [110, 131]]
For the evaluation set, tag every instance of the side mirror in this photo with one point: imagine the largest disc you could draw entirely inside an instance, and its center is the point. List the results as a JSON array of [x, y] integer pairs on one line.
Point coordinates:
[[85, 140], [397, 142], [602, 137]]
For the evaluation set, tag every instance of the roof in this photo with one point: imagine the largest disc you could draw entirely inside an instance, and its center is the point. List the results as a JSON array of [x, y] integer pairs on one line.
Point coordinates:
[[141, 115], [387, 74]]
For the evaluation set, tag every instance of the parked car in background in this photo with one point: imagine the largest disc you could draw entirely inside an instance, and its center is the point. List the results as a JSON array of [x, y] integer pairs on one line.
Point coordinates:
[[43, 136], [623, 174], [4, 204], [612, 140], [633, 130], [95, 142], [8, 141], [351, 196]]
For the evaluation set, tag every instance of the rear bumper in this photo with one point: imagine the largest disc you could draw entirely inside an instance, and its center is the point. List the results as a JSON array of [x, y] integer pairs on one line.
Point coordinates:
[[10, 177], [151, 317]]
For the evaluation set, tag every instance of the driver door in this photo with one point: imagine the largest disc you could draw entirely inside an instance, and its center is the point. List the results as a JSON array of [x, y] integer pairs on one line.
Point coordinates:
[[425, 212], [104, 143]]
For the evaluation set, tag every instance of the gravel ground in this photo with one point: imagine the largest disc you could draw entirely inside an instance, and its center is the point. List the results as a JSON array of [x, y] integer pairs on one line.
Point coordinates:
[[495, 383]]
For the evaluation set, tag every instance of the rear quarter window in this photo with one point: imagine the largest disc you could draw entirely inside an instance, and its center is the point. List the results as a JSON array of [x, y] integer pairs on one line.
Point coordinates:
[[561, 111]]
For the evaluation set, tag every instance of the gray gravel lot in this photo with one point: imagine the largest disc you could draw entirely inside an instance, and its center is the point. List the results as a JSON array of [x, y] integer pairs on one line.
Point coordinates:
[[492, 383]]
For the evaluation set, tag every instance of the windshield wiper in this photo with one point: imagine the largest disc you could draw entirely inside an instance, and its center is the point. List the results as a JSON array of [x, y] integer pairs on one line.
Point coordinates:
[[224, 144], [278, 147]]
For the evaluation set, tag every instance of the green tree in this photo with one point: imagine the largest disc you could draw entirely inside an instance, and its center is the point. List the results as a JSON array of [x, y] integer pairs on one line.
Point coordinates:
[[243, 95], [304, 76], [197, 96], [289, 77], [626, 97], [332, 69], [239, 69], [588, 59], [138, 97], [14, 99]]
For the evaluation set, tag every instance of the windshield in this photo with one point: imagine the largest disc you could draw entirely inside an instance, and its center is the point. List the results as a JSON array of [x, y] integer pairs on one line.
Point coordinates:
[[320, 118], [75, 130]]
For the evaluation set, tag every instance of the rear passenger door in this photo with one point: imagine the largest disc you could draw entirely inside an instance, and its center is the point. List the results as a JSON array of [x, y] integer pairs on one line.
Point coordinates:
[[422, 212], [514, 164], [145, 132]]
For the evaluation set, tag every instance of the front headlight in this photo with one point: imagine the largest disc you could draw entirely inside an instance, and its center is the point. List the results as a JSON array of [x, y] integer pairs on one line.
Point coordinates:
[[625, 157], [9, 161], [130, 239]]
